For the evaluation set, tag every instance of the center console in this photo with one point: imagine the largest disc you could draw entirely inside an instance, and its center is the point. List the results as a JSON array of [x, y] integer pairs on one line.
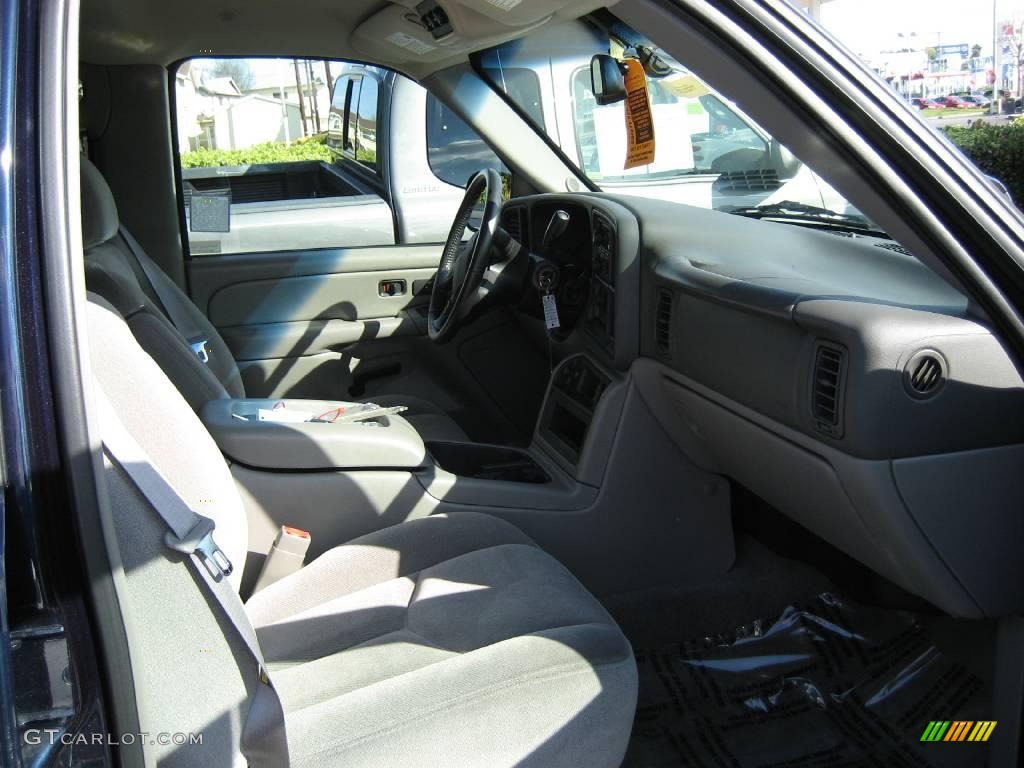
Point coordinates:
[[576, 390], [580, 416], [488, 462], [308, 435], [299, 463]]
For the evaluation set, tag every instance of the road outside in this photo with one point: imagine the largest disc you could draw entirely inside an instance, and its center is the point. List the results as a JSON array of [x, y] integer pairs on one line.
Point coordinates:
[[948, 117]]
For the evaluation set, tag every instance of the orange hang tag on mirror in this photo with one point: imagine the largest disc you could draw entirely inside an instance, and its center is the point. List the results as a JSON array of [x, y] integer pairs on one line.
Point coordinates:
[[639, 120]]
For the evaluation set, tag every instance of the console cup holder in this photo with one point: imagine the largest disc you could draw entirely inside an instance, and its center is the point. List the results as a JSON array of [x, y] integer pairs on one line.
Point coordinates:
[[487, 462]]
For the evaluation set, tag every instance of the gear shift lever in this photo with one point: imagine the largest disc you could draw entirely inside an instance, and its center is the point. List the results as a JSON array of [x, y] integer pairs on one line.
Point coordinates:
[[556, 228]]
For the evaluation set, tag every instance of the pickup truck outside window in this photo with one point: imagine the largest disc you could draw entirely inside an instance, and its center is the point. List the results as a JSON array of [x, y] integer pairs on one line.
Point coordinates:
[[364, 133], [283, 155], [708, 153], [454, 150]]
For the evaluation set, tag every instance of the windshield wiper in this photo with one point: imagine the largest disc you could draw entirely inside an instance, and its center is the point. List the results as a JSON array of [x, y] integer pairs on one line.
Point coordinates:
[[790, 210]]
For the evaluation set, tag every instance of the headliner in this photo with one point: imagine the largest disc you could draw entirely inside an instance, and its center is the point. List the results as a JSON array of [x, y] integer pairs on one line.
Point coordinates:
[[160, 32]]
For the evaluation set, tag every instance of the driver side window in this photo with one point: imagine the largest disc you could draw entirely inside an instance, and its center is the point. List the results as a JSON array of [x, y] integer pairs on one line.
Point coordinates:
[[284, 155]]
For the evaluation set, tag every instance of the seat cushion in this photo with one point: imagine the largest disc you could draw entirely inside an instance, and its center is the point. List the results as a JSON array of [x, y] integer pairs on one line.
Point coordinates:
[[451, 640]]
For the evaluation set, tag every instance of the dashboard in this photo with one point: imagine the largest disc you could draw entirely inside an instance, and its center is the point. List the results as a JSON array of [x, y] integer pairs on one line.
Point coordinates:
[[598, 258], [836, 377]]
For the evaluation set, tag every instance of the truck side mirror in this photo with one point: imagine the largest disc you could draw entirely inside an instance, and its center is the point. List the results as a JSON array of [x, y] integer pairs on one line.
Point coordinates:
[[784, 161], [606, 79]]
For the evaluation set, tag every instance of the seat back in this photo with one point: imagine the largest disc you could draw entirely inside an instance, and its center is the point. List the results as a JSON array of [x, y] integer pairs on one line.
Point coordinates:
[[113, 271], [191, 673]]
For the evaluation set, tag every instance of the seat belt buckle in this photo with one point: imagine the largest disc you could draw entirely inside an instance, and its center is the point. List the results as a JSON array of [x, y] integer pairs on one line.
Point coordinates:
[[199, 542], [199, 350], [286, 556]]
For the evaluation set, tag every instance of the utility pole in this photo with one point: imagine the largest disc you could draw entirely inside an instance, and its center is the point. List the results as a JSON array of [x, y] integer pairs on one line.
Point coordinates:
[[302, 103], [313, 106], [1017, 49], [284, 115], [330, 79], [997, 102]]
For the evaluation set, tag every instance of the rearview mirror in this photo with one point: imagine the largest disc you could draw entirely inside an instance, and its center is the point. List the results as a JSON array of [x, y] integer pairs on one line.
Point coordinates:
[[606, 79]]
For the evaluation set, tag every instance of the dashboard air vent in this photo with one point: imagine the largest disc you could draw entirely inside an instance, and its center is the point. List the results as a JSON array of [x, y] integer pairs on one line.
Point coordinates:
[[663, 323], [924, 374], [827, 389], [512, 221]]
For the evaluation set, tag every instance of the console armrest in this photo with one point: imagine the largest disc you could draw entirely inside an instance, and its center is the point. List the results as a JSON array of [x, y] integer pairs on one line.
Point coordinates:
[[386, 442]]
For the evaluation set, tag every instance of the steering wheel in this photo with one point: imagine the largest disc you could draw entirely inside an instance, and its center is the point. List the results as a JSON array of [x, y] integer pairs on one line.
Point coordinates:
[[462, 264]]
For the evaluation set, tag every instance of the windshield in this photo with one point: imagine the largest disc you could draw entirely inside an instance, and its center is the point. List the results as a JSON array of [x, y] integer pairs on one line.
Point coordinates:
[[708, 153]]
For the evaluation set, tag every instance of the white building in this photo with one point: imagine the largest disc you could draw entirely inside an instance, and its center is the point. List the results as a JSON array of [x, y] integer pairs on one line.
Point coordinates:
[[914, 73], [215, 113]]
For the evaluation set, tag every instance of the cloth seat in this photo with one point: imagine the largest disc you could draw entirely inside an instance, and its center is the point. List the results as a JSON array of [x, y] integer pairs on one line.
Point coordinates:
[[451, 640], [112, 271], [444, 636]]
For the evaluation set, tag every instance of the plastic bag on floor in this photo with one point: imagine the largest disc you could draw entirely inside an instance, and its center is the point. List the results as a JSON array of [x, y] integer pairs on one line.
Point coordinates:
[[826, 684]]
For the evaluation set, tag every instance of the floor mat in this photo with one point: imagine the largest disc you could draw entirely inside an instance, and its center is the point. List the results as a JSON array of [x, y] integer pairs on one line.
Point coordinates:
[[828, 683]]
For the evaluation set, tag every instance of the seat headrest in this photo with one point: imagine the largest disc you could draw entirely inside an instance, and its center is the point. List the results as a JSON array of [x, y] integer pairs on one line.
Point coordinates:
[[100, 221]]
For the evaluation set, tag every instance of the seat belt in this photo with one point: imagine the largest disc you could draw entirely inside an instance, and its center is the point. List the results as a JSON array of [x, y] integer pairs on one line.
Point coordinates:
[[179, 318], [264, 741]]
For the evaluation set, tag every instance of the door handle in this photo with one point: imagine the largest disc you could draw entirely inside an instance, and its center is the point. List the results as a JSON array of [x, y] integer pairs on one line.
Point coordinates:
[[388, 288]]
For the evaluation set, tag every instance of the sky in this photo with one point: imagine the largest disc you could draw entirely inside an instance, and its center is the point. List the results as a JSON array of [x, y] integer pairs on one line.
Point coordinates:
[[870, 26]]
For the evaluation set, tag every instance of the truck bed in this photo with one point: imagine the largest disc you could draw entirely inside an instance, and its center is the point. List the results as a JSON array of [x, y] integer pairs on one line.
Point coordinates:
[[285, 207], [269, 182]]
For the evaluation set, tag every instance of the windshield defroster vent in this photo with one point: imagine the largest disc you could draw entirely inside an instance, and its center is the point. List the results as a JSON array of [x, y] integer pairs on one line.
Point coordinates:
[[748, 181], [663, 323], [894, 247], [827, 390]]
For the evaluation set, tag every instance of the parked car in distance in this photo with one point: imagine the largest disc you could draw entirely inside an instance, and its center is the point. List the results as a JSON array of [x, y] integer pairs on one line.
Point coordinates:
[[976, 100], [922, 103], [952, 102]]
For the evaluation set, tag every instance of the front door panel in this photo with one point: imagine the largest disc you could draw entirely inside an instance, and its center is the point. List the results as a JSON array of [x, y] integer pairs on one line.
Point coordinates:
[[293, 320]]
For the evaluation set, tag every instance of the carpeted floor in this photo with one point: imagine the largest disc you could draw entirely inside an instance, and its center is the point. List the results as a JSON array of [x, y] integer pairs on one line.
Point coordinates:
[[767, 667], [760, 584]]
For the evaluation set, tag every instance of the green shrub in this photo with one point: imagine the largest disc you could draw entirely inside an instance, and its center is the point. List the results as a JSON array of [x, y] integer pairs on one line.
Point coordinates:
[[998, 150], [310, 148]]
